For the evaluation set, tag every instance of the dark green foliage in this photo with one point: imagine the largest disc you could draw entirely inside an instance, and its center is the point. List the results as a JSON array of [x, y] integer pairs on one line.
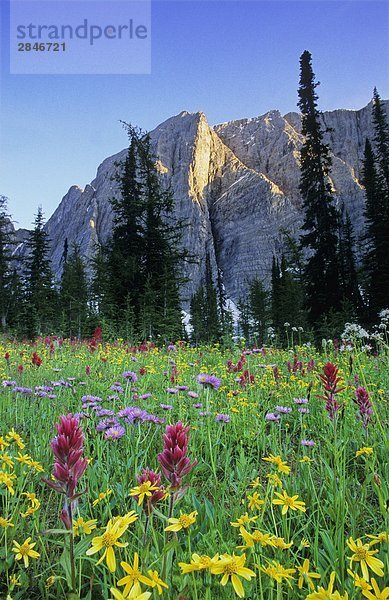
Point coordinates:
[[74, 295], [204, 309], [322, 271], [40, 300], [137, 274], [287, 298], [244, 326], [258, 300], [348, 272], [7, 275], [376, 183]]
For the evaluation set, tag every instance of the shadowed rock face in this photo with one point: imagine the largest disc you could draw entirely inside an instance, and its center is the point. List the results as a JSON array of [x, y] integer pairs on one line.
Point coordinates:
[[235, 184]]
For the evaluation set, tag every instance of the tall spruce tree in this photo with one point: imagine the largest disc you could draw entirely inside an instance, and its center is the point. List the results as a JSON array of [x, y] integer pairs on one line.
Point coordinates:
[[351, 295], [323, 291], [376, 183], [40, 295], [140, 267], [73, 298], [205, 315], [6, 270], [258, 310]]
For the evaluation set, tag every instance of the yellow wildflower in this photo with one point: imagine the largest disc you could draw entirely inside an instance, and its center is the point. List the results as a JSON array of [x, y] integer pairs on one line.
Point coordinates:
[[36, 466], [365, 556], [81, 526], [108, 541], [280, 464], [25, 551], [278, 572], [359, 582], [156, 581], [279, 543], [3, 443], [7, 479], [306, 576], [50, 581], [243, 520], [306, 459], [135, 594], [378, 594], [255, 483], [6, 460], [288, 502], [14, 580], [274, 479], [381, 538], [198, 563], [12, 436], [233, 566], [254, 501], [101, 497], [183, 522], [255, 537], [134, 576], [6, 522], [144, 489], [327, 594], [24, 459], [364, 451]]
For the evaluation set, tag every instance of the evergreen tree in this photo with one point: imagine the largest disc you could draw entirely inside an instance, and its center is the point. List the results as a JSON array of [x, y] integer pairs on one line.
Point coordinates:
[[205, 317], [141, 264], [6, 271], [258, 310], [376, 183], [244, 325], [321, 219], [74, 295], [40, 297], [351, 295], [286, 298]]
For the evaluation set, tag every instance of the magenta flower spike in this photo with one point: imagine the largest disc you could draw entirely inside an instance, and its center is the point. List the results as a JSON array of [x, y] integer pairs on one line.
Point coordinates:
[[173, 460]]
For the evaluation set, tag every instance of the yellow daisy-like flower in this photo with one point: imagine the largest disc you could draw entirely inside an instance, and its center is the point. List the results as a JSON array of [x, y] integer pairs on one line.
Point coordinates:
[[24, 459], [306, 575], [359, 582], [6, 522], [280, 464], [365, 556], [255, 537], [135, 594], [36, 466], [108, 541], [6, 460], [34, 504], [101, 497], [233, 567], [254, 501], [143, 490], [306, 459], [279, 543], [381, 538], [81, 526], [3, 443], [243, 520], [278, 572], [7, 479], [378, 594], [304, 543], [288, 502], [364, 451], [274, 479], [198, 563], [50, 581], [12, 436], [255, 483], [183, 522], [156, 581], [25, 551], [327, 594], [134, 577]]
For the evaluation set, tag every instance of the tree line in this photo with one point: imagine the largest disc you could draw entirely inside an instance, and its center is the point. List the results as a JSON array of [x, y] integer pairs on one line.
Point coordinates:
[[133, 288]]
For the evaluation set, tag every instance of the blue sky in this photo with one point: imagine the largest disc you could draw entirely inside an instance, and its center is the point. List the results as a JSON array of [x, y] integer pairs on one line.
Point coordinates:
[[229, 59]]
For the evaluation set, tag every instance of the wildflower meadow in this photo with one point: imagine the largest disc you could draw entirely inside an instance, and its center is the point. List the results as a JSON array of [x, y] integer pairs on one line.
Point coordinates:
[[193, 473]]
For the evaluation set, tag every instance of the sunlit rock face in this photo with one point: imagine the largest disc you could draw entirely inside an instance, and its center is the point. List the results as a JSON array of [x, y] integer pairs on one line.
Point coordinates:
[[235, 185]]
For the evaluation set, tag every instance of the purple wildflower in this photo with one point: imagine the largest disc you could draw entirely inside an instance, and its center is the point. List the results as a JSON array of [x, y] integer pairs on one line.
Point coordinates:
[[114, 433], [130, 376], [272, 417], [193, 394], [303, 410], [182, 388], [300, 400], [22, 390], [105, 423], [8, 383], [198, 405], [209, 380], [172, 390], [145, 396], [116, 387], [103, 412], [166, 406], [283, 409], [223, 418], [308, 443]]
